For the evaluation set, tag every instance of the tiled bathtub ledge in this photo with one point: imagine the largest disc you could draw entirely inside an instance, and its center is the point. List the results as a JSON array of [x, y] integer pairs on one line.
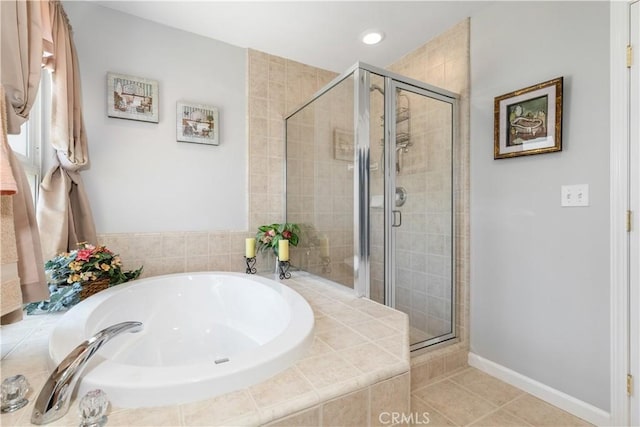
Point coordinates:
[[359, 359]]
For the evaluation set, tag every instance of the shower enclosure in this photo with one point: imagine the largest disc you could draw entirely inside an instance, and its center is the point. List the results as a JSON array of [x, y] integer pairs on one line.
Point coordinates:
[[369, 177]]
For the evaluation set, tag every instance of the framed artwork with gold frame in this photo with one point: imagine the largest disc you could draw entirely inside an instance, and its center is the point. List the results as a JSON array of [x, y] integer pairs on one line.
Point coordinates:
[[528, 121]]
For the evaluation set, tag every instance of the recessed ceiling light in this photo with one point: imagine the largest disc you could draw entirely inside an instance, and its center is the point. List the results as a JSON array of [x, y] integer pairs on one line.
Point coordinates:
[[372, 37]]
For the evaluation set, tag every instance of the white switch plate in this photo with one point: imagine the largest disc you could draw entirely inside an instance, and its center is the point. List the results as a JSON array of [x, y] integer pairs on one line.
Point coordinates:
[[574, 195]]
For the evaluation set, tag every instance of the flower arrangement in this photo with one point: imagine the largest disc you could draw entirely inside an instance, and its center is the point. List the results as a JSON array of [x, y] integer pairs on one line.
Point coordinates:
[[69, 272], [268, 236], [89, 263]]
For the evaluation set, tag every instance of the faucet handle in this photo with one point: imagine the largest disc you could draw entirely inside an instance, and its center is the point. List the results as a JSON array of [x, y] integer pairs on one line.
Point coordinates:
[[93, 409], [14, 390]]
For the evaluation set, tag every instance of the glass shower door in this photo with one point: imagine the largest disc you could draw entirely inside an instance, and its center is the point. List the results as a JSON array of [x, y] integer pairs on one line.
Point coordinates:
[[419, 226]]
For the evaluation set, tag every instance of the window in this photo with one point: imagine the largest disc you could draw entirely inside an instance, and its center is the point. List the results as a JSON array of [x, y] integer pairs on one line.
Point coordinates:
[[28, 144]]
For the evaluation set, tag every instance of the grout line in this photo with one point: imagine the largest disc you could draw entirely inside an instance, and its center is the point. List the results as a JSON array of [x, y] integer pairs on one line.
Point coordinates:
[[473, 393], [431, 406], [433, 381], [522, 392], [525, 423]]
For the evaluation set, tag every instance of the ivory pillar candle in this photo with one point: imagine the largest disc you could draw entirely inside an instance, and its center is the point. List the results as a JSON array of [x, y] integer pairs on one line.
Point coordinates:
[[283, 250], [250, 247], [324, 247]]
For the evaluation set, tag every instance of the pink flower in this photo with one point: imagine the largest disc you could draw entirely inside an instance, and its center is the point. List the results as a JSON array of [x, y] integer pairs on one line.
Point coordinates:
[[286, 234], [271, 233], [84, 254]]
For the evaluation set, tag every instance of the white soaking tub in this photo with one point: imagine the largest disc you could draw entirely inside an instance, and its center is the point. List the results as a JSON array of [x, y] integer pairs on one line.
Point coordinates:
[[204, 334]]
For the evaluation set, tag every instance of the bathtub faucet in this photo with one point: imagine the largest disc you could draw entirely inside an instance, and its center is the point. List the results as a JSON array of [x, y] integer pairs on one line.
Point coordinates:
[[54, 398]]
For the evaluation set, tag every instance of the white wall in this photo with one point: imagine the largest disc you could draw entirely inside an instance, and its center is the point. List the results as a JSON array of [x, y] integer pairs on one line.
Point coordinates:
[[140, 178], [540, 272]]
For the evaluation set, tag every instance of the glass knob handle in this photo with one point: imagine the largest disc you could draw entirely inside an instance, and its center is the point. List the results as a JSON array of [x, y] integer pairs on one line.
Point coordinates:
[[93, 409], [14, 391]]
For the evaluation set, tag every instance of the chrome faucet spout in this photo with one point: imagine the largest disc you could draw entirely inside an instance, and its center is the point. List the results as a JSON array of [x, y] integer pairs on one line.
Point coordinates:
[[54, 398]]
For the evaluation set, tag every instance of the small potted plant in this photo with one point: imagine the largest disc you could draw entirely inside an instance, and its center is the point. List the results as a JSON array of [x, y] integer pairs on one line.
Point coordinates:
[[76, 275]]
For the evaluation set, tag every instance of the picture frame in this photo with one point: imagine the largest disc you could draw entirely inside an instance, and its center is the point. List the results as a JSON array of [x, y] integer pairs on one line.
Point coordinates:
[[197, 123], [529, 121], [132, 98], [343, 145]]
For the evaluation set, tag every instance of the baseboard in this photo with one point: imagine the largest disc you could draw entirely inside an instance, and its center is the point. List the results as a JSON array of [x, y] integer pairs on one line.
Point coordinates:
[[550, 395]]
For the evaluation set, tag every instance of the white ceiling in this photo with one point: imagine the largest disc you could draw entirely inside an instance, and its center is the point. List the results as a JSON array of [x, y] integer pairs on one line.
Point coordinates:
[[322, 34]]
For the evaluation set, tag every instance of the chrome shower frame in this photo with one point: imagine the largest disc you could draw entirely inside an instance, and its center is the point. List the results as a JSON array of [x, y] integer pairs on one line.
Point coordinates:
[[361, 73]]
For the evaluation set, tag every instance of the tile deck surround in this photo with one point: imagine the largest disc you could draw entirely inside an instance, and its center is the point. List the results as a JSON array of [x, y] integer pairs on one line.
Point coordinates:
[[359, 357]]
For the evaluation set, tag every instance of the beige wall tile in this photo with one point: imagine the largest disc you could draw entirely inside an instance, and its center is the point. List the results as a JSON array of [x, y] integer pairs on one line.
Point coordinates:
[[392, 395], [145, 245], [326, 370], [423, 410], [118, 243], [455, 360], [373, 329], [165, 416], [284, 386], [339, 338], [220, 409], [173, 245], [318, 348], [325, 323], [223, 262], [368, 357], [197, 263], [197, 244], [350, 410], [310, 418], [173, 265], [420, 375]]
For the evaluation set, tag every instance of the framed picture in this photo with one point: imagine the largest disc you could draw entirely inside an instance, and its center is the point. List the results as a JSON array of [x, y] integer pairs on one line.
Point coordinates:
[[133, 98], [343, 145], [528, 121], [197, 123]]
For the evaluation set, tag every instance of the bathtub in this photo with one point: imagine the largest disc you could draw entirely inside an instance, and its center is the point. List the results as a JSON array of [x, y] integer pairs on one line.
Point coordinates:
[[204, 334]]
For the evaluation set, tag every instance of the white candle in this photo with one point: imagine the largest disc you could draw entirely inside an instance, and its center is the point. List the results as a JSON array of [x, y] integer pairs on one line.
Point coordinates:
[[283, 250], [250, 247]]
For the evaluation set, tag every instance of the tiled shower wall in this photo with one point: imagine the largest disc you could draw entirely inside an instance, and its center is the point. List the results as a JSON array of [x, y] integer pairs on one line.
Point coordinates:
[[275, 86], [444, 62], [423, 241]]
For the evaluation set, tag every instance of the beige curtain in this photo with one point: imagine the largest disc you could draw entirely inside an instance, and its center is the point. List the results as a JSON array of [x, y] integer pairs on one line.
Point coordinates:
[[64, 213], [20, 258], [21, 54], [21, 58]]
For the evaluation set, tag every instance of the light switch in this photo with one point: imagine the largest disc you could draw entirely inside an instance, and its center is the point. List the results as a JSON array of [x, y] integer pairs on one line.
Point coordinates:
[[574, 195]]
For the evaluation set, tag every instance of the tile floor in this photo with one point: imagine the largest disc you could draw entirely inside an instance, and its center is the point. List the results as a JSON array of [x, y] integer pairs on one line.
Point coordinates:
[[470, 397]]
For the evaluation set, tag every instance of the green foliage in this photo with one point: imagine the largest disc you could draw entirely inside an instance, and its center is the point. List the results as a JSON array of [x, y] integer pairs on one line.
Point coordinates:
[[268, 236]]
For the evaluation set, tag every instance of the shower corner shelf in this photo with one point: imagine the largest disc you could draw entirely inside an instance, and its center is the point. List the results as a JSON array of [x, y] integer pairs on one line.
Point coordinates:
[[372, 167], [402, 114], [402, 138]]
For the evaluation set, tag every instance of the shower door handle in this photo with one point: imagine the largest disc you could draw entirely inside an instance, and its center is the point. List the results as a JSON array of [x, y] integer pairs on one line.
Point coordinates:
[[398, 216]]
